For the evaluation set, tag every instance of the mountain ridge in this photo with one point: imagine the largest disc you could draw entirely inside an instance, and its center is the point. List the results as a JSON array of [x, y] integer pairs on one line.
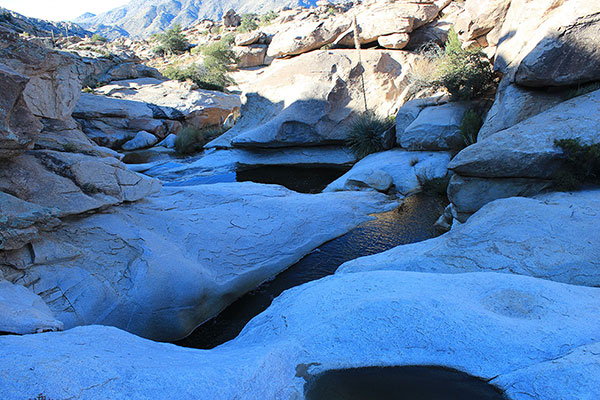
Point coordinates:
[[142, 18]]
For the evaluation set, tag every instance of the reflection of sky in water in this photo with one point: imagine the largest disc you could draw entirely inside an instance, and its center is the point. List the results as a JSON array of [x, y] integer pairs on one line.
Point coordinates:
[[412, 222]]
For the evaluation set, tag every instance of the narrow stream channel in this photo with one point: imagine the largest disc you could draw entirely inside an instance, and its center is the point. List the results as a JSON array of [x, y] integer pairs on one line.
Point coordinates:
[[411, 222]]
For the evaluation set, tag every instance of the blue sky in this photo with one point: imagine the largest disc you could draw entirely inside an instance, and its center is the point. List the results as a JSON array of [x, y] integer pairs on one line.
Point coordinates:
[[59, 10]]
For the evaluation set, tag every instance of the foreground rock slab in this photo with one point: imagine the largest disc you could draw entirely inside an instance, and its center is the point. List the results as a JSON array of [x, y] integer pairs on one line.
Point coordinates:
[[552, 236], [519, 332], [160, 267]]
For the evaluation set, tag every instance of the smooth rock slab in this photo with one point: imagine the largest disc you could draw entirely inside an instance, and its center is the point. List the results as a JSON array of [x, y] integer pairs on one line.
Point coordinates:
[[23, 312], [160, 267], [406, 170], [435, 128], [519, 331], [553, 236], [527, 150]]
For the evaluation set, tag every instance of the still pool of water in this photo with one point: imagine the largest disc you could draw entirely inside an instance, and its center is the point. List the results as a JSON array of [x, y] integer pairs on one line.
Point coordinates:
[[411, 222], [406, 383]]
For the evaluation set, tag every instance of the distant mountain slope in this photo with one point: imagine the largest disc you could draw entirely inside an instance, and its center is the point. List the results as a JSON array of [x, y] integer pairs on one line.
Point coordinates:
[[39, 27], [141, 18]]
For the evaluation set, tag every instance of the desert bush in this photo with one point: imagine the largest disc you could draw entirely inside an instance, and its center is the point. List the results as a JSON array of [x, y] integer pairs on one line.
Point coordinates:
[[266, 19], [5, 16], [172, 41], [366, 134], [470, 126], [248, 23], [191, 140], [212, 74], [581, 164], [96, 37], [465, 73], [424, 71]]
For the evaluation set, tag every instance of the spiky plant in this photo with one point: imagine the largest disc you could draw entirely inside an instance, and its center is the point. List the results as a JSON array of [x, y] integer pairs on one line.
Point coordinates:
[[366, 134]]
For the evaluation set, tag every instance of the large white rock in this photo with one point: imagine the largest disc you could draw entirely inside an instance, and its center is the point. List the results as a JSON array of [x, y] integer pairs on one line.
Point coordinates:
[[161, 267], [514, 104], [405, 170], [23, 312], [533, 338], [311, 99], [142, 140], [435, 128], [553, 236], [549, 43], [527, 150], [199, 107], [73, 183]]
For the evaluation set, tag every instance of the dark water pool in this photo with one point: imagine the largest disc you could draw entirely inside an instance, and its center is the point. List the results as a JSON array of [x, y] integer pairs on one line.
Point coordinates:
[[406, 383], [411, 222], [299, 179]]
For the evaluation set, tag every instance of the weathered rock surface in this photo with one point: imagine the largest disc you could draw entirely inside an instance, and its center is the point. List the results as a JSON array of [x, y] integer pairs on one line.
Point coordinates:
[[435, 128], [199, 107], [469, 194], [549, 43], [248, 38], [302, 36], [468, 322], [20, 220], [311, 99], [514, 104], [405, 170], [481, 17], [394, 41], [527, 150], [53, 88], [18, 125], [23, 312], [552, 236], [128, 268], [141, 140], [250, 56], [73, 183]]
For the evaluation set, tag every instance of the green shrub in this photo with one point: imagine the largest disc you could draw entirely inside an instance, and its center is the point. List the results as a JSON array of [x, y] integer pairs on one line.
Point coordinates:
[[581, 164], [266, 19], [99, 38], [248, 23], [465, 73], [470, 126], [173, 41], [191, 140], [366, 134]]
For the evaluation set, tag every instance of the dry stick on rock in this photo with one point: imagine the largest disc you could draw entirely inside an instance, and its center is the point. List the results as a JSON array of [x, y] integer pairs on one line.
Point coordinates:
[[362, 78]]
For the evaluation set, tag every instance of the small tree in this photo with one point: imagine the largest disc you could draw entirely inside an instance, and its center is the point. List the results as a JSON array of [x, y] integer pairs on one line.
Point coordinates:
[[248, 23], [173, 41]]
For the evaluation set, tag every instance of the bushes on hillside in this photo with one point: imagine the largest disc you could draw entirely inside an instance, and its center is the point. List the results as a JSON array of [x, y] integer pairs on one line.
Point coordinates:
[[266, 19], [248, 23], [191, 140], [465, 73], [96, 37], [366, 134], [172, 41], [580, 165], [213, 73]]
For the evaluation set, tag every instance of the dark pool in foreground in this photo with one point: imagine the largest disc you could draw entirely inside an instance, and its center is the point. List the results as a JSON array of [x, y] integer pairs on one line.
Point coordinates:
[[411, 222], [406, 383]]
